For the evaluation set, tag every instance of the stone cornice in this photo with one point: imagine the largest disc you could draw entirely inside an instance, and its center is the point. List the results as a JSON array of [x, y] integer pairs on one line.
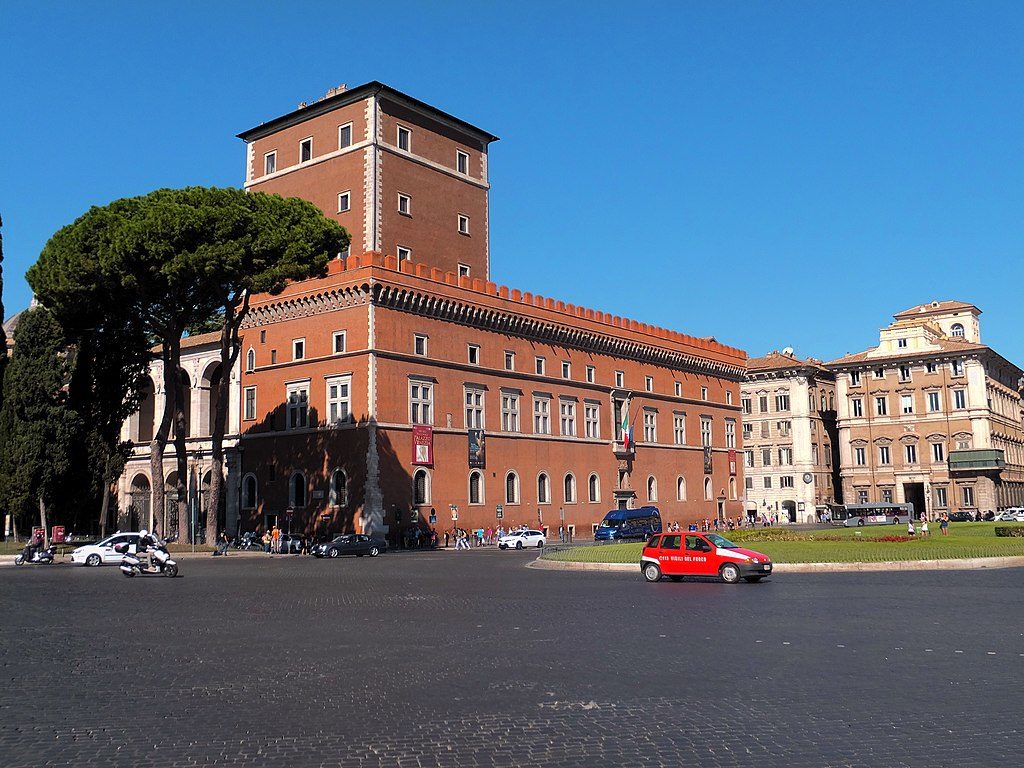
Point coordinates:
[[307, 305]]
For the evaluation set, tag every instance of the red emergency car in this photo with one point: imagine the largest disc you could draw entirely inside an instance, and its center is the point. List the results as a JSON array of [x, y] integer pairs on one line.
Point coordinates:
[[701, 554]]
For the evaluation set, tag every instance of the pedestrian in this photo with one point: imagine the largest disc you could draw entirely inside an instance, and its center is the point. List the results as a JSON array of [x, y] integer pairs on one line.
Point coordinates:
[[910, 528], [561, 533], [924, 526], [446, 537], [275, 540], [944, 524], [266, 541], [223, 543]]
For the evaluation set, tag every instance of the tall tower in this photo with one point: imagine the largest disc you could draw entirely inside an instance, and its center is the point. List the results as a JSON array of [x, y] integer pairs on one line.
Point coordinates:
[[403, 177]]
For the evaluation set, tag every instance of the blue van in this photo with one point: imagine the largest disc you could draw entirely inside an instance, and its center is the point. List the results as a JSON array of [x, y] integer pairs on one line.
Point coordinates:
[[622, 524]]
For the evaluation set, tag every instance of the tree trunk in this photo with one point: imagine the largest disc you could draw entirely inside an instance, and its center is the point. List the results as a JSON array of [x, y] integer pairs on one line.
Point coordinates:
[[181, 455], [42, 522], [229, 349], [104, 509], [159, 442]]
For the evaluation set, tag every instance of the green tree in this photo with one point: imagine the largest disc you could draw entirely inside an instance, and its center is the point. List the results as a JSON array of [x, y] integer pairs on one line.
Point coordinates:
[[3, 335], [37, 425]]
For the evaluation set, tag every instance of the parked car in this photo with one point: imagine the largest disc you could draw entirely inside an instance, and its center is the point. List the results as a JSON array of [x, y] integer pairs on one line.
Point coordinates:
[[701, 554], [291, 543], [961, 517], [521, 539], [357, 544], [1011, 515], [102, 552]]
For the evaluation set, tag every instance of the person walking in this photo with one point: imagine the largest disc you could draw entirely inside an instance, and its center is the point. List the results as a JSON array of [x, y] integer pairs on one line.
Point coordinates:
[[275, 540], [944, 524], [910, 528], [266, 541], [222, 543], [924, 526]]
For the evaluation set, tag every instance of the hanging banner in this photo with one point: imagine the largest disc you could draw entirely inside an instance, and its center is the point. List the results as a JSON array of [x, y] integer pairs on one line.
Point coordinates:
[[732, 462], [422, 444], [477, 453], [707, 460]]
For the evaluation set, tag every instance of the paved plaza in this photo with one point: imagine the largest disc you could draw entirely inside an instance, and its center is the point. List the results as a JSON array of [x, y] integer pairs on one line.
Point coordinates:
[[471, 659]]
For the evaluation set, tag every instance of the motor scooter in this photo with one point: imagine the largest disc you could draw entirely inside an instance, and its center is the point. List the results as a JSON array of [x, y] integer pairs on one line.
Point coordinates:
[[131, 563], [39, 557]]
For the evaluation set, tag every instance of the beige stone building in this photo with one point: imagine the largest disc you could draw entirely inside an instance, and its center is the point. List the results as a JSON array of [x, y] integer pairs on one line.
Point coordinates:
[[931, 415], [789, 437]]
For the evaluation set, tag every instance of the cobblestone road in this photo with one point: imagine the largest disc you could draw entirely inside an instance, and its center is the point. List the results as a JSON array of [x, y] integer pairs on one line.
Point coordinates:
[[472, 660]]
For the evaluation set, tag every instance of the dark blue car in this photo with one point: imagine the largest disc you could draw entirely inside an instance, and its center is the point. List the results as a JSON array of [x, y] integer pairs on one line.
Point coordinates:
[[621, 524]]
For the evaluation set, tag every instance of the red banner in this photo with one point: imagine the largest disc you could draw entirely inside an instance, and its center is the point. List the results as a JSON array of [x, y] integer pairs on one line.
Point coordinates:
[[732, 462], [422, 444]]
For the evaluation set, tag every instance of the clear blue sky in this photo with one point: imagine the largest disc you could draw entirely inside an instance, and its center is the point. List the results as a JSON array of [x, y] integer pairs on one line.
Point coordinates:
[[775, 173]]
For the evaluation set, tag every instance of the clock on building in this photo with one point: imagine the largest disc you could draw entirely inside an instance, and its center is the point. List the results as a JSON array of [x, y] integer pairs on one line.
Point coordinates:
[[808, 478]]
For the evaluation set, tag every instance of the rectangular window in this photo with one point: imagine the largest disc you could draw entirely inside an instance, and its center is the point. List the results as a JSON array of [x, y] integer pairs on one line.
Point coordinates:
[[679, 428], [404, 204], [461, 161], [767, 482], [421, 402], [901, 343], [703, 393], [419, 344], [730, 433], [883, 455], [404, 138], [859, 457], [784, 428], [959, 398], [881, 406], [298, 349], [958, 367], [858, 406], [705, 430], [269, 163], [250, 402], [786, 481], [620, 378], [941, 498], [938, 452], [592, 419], [678, 389], [910, 453], [650, 427], [933, 402], [263, 337], [591, 374], [748, 459], [887, 495], [542, 416], [339, 407], [766, 430], [855, 378], [474, 408], [567, 417], [766, 457], [931, 368], [338, 342], [404, 253], [748, 483], [538, 366], [306, 150], [463, 224], [967, 492], [879, 373], [344, 136], [566, 370], [728, 397], [762, 404], [904, 373], [344, 201], [509, 412], [273, 357], [748, 430], [473, 354], [907, 403], [782, 402], [785, 457], [862, 496], [649, 383], [463, 270], [298, 405], [510, 360]]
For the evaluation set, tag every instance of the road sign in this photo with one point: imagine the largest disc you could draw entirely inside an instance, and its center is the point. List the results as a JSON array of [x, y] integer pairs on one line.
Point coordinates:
[[499, 511]]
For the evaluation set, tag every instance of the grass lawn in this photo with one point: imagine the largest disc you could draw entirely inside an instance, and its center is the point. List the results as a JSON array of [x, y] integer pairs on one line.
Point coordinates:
[[841, 545]]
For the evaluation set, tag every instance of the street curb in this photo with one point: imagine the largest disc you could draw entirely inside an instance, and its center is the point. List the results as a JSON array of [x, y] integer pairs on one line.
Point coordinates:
[[963, 564]]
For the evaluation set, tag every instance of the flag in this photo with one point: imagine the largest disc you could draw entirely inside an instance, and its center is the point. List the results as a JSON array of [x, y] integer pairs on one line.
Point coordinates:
[[627, 436]]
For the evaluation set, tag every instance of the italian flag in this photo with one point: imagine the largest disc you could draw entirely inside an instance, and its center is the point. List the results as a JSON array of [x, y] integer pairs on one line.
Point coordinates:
[[627, 438]]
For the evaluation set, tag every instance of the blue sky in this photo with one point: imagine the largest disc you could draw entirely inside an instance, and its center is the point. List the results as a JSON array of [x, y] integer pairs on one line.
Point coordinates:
[[773, 174]]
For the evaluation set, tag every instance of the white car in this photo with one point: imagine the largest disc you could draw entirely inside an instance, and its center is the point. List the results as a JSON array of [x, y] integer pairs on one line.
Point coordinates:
[[102, 552], [1011, 515], [521, 539]]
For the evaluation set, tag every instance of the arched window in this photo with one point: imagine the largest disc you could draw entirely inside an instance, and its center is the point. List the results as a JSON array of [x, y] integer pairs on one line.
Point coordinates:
[[594, 487], [476, 487], [511, 488], [652, 489], [732, 488], [680, 489], [249, 492], [543, 488], [707, 489], [297, 490], [421, 487], [569, 486], [339, 489], [250, 360], [958, 330]]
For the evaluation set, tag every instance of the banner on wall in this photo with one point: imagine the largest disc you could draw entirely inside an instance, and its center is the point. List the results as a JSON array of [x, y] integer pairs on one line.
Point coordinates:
[[732, 462], [477, 450], [422, 444], [707, 460]]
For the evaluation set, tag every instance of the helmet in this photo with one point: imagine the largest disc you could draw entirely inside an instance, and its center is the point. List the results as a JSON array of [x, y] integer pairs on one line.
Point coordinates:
[[143, 532]]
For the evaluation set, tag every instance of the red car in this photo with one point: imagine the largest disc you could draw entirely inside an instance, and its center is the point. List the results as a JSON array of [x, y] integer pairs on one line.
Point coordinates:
[[701, 554]]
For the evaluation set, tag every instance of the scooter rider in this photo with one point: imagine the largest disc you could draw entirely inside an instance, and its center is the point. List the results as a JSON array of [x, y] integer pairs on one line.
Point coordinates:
[[147, 543], [34, 545]]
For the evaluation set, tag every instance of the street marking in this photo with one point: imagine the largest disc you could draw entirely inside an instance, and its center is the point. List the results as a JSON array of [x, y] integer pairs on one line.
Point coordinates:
[[840, 646], [785, 642], [957, 651], [991, 653]]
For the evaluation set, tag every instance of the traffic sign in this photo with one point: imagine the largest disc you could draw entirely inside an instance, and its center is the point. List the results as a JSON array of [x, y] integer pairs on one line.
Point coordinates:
[[499, 511]]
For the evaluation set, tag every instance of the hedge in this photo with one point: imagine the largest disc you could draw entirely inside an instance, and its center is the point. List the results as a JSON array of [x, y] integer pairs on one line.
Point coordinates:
[[1013, 531]]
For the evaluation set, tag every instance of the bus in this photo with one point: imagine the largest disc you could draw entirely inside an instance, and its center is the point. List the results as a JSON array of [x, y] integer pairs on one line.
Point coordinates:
[[879, 513]]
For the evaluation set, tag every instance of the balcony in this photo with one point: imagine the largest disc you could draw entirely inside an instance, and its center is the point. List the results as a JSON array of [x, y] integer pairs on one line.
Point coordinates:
[[980, 460]]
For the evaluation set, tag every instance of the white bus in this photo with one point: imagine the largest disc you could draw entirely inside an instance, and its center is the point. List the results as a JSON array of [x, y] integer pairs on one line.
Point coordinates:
[[872, 514]]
